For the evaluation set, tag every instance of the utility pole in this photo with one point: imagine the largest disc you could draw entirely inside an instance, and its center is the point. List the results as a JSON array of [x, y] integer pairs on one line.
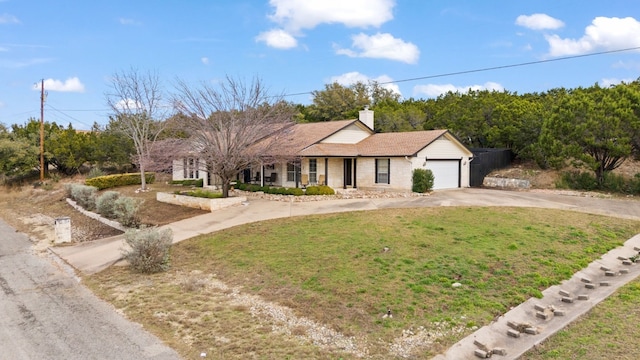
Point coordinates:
[[42, 130]]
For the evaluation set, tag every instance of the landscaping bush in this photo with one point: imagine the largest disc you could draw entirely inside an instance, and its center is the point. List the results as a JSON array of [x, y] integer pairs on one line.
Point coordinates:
[[95, 172], [577, 180], [111, 181], [84, 195], [319, 190], [617, 183], [422, 180], [188, 182], [126, 211], [634, 184], [106, 204], [201, 193], [149, 249], [294, 191]]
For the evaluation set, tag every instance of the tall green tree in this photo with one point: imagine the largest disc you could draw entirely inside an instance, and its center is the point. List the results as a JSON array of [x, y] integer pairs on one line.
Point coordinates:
[[339, 102], [595, 127], [17, 156]]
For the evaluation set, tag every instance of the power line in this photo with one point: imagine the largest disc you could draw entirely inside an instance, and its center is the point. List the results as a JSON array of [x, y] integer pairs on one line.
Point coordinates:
[[493, 68], [67, 115]]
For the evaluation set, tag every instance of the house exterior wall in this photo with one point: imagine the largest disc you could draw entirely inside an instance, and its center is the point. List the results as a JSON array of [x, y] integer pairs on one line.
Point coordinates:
[[178, 171], [445, 149], [399, 174], [350, 135]]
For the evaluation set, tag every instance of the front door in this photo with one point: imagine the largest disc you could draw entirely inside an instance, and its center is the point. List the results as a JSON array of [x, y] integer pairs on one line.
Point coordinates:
[[348, 173]]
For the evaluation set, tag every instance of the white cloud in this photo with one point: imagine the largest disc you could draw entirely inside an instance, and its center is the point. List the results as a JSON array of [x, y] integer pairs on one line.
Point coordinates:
[[127, 21], [70, 85], [382, 46], [8, 19], [627, 65], [295, 15], [278, 39], [2, 104], [606, 82], [205, 60], [434, 90], [353, 77], [539, 22], [603, 34]]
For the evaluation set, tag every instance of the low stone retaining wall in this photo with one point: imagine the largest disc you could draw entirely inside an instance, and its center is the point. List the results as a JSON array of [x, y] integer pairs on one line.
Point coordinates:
[[200, 203], [114, 224], [504, 183]]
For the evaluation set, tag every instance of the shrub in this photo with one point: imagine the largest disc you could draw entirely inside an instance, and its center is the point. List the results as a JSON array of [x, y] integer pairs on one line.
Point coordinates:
[[578, 181], [319, 190], [106, 204], [634, 184], [84, 195], [294, 191], [111, 181], [188, 182], [126, 211], [95, 172], [422, 180], [149, 249], [201, 194], [617, 183]]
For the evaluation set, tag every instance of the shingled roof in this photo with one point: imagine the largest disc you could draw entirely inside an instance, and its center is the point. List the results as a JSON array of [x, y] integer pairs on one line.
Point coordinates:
[[381, 144]]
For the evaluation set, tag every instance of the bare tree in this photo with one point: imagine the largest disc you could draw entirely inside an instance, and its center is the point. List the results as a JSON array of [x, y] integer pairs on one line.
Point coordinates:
[[136, 101], [232, 126]]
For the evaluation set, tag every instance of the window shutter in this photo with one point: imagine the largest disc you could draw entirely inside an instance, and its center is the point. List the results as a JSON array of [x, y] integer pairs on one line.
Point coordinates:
[[376, 162], [388, 171]]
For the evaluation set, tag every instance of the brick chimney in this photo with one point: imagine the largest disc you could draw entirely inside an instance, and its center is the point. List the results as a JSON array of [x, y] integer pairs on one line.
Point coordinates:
[[366, 116]]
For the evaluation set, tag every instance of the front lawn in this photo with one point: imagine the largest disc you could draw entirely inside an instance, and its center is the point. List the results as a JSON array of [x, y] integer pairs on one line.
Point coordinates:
[[346, 271]]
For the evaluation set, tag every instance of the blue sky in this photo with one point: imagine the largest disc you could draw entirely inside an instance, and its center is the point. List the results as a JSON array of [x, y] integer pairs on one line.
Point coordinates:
[[297, 46]]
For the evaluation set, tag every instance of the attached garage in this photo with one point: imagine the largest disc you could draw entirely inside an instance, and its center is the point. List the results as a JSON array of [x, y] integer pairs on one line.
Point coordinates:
[[446, 173]]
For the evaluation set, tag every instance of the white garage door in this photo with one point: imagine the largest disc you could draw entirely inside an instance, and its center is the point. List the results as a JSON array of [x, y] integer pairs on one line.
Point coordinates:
[[445, 173]]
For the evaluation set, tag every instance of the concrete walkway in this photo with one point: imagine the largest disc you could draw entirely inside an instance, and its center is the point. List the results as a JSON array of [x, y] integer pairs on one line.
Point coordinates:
[[94, 256], [532, 328]]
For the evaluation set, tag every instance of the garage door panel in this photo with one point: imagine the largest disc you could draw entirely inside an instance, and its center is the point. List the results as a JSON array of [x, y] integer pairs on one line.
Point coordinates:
[[446, 173]]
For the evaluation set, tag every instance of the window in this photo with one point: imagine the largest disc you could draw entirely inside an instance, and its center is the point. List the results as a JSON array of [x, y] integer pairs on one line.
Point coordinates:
[[382, 171], [291, 172], [190, 168], [313, 171]]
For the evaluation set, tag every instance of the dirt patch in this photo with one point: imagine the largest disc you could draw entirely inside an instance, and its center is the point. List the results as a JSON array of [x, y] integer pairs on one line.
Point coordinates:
[[33, 210]]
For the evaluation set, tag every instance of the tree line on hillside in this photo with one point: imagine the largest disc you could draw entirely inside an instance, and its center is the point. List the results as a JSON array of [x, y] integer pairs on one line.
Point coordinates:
[[595, 128]]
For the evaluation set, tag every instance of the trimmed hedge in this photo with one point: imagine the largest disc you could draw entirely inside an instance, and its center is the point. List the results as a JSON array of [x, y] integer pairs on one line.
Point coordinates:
[[319, 190], [200, 193], [281, 190], [111, 181], [188, 182]]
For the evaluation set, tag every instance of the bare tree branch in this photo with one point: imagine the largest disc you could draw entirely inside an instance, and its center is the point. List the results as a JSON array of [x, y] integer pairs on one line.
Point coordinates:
[[228, 125], [136, 101]]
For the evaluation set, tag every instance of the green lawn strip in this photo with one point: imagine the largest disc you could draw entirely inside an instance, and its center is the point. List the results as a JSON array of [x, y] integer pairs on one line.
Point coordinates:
[[608, 331], [335, 270]]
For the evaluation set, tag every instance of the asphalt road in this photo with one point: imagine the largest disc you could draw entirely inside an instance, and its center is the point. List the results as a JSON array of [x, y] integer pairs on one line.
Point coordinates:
[[46, 314]]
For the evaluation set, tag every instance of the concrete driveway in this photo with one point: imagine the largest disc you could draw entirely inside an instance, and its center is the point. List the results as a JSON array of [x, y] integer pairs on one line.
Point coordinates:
[[91, 257]]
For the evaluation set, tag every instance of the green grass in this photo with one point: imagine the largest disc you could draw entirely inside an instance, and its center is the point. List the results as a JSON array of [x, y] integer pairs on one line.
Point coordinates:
[[610, 331], [334, 268]]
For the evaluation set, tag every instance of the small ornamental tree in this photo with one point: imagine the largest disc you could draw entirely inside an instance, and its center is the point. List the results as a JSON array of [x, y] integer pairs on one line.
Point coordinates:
[[422, 180]]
